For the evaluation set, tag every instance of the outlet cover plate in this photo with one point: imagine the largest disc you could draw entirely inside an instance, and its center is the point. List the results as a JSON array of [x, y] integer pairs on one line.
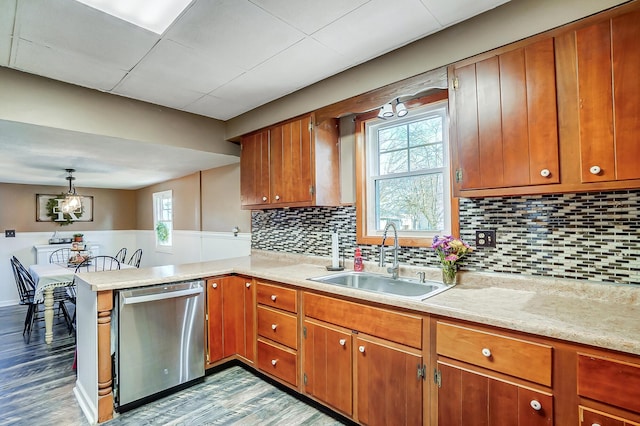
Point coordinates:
[[486, 238], [9, 233]]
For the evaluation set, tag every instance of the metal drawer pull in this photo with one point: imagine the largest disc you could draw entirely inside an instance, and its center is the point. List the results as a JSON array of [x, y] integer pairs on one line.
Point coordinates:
[[274, 326], [274, 362], [343, 342], [486, 352], [273, 297], [361, 349], [535, 404]]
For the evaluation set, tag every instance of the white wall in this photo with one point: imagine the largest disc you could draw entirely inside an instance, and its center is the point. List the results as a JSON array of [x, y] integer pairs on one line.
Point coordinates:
[[189, 246]]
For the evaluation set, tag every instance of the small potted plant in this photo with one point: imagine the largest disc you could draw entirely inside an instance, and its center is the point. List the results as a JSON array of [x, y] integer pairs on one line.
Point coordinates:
[[78, 238]]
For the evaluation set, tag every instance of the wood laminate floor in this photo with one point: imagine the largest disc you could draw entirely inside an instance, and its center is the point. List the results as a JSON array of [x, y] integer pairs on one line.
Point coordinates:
[[37, 380]]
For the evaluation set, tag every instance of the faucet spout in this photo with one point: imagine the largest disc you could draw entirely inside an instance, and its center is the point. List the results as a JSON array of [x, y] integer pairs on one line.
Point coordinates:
[[395, 268]]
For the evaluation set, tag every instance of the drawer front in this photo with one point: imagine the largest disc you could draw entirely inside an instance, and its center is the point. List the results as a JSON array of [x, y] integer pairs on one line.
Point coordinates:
[[519, 358], [278, 362], [277, 297], [590, 417], [278, 326], [609, 381], [397, 327]]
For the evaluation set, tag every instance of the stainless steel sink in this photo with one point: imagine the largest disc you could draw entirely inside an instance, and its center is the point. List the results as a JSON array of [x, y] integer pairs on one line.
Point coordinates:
[[404, 287]]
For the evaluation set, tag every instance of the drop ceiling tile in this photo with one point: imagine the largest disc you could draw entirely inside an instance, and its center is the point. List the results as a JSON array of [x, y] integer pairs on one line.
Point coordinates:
[[173, 64], [235, 33], [67, 25], [65, 66], [355, 35], [449, 12], [211, 106], [7, 13], [307, 15], [156, 92]]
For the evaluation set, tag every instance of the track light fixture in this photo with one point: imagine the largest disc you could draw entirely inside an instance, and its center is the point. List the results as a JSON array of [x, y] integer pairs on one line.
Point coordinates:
[[401, 109], [387, 110]]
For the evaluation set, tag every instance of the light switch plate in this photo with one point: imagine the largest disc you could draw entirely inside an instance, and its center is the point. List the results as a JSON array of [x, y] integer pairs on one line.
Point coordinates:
[[486, 238]]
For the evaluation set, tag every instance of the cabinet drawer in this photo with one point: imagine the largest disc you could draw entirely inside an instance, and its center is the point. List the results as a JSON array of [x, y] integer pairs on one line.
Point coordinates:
[[278, 326], [397, 327], [277, 297], [610, 381], [519, 358], [590, 417], [278, 362]]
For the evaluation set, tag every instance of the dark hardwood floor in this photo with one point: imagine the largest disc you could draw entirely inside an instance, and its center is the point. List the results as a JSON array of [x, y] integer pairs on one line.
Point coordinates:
[[37, 380]]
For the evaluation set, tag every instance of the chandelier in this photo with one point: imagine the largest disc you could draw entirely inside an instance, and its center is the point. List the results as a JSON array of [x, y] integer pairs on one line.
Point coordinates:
[[71, 201]]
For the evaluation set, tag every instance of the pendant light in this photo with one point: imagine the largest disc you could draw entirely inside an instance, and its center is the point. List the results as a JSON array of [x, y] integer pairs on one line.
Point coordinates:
[[71, 201]]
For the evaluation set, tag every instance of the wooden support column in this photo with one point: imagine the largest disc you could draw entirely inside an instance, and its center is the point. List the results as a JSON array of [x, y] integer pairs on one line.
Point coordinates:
[[105, 376]]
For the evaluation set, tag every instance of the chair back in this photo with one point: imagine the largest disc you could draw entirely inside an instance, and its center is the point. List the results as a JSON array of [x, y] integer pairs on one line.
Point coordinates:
[[121, 255], [60, 256], [135, 258], [24, 282], [98, 263]]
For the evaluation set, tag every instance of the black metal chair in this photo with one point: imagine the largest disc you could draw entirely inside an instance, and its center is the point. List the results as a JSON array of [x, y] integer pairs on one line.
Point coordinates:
[[135, 258], [26, 290], [60, 256], [121, 255], [98, 263]]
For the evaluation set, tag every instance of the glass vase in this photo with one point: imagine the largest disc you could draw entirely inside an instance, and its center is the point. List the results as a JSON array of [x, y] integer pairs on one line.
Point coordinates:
[[449, 274]]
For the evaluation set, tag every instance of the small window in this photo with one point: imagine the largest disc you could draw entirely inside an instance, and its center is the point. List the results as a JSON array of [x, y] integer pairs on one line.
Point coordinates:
[[163, 220]]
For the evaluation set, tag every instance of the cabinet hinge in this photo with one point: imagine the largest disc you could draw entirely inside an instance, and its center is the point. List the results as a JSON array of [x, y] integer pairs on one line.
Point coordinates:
[[310, 126], [437, 377], [312, 189], [206, 316], [455, 83], [304, 378], [422, 372], [304, 332], [458, 175]]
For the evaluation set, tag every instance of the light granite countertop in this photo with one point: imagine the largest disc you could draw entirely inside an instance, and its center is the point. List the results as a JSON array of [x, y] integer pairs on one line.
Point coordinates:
[[601, 315]]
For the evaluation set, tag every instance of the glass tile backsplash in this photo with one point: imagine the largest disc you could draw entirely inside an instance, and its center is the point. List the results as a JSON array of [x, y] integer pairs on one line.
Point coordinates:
[[587, 236]]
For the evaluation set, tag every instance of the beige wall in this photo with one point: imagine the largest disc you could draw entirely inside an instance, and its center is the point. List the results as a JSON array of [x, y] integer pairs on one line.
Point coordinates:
[[513, 21], [112, 209], [221, 200]]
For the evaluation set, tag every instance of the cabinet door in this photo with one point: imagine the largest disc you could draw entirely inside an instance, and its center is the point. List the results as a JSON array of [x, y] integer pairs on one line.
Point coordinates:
[[234, 316], [608, 90], [389, 390], [506, 119], [291, 162], [467, 398], [327, 365], [254, 169], [214, 320]]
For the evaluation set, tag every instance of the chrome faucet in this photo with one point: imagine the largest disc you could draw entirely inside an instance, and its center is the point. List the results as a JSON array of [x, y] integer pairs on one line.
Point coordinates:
[[395, 268]]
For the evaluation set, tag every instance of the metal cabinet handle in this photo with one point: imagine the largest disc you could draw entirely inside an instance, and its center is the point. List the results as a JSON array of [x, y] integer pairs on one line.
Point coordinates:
[[274, 362], [486, 352], [342, 342], [273, 297], [535, 404], [545, 173], [248, 285], [214, 285], [361, 349], [274, 326], [595, 170]]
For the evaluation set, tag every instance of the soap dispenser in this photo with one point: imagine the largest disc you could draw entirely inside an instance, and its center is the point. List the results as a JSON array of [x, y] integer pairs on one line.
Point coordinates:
[[357, 261]]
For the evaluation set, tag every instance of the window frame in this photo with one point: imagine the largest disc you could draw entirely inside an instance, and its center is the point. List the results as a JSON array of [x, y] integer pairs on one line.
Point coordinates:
[[157, 198], [364, 235]]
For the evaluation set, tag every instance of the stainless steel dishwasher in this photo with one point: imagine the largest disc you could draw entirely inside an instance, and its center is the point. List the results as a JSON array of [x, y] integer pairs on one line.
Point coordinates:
[[160, 341]]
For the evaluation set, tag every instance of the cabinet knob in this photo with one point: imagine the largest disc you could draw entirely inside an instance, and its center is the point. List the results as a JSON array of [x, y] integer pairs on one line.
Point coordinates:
[[595, 424], [264, 198], [273, 297], [274, 326], [342, 342], [535, 404], [274, 362], [361, 349], [277, 197], [595, 170], [248, 285], [214, 285], [486, 352], [545, 173]]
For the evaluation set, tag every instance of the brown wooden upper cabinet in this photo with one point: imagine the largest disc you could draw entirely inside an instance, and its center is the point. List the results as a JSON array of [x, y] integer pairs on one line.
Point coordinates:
[[292, 164], [504, 119], [607, 61]]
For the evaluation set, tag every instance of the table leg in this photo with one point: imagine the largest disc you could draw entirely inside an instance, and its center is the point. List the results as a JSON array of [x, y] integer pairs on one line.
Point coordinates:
[[48, 315]]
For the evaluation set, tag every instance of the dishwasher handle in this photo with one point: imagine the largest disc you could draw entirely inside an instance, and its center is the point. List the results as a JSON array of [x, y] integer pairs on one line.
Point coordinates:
[[130, 300]]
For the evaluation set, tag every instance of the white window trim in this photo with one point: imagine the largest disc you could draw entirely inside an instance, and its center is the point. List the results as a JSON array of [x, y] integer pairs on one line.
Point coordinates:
[[159, 247]]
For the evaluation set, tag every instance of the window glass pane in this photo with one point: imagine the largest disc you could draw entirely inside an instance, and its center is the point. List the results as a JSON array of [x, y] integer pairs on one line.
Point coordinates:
[[416, 203], [425, 131], [426, 157], [392, 138], [393, 162]]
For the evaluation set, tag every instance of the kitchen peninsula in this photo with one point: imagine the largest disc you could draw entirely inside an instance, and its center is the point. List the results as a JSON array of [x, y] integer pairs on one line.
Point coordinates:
[[577, 322]]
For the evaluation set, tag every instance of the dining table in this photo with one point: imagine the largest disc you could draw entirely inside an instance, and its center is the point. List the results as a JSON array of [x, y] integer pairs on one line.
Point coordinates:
[[47, 277]]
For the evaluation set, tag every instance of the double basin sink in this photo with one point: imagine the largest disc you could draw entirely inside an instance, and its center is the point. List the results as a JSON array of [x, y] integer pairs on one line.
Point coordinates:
[[377, 283]]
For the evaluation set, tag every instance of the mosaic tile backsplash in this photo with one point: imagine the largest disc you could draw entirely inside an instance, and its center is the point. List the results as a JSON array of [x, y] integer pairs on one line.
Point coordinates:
[[587, 236]]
